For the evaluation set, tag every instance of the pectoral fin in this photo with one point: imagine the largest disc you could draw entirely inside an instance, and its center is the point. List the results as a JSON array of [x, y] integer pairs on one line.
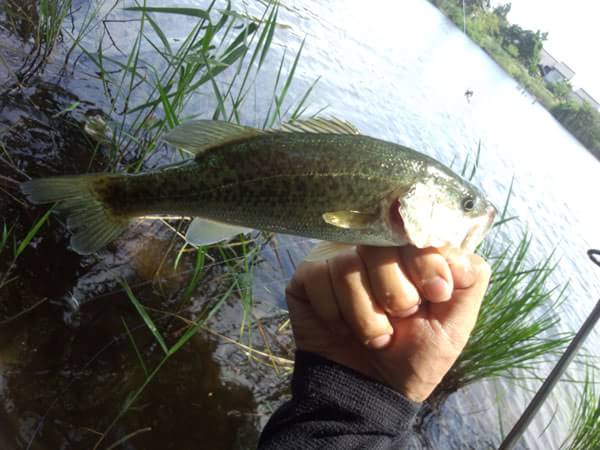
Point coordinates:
[[205, 232], [325, 250], [355, 220]]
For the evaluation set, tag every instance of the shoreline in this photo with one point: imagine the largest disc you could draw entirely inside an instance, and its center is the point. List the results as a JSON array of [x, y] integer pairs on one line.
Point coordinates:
[[560, 110]]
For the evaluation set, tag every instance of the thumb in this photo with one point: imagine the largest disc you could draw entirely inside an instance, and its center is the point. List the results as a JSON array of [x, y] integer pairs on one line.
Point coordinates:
[[471, 279]]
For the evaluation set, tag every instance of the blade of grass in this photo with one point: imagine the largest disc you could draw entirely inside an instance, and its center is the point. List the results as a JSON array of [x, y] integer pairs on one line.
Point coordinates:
[[191, 12], [198, 271], [31, 234], [144, 315], [135, 348]]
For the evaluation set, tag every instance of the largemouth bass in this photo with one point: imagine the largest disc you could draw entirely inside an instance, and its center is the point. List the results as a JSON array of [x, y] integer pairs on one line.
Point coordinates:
[[316, 178]]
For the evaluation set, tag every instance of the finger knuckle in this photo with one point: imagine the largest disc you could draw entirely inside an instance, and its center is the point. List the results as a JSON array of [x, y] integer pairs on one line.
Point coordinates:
[[397, 301], [369, 329], [484, 270]]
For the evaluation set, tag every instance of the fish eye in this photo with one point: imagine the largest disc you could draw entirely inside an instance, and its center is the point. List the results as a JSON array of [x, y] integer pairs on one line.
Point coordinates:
[[468, 204]]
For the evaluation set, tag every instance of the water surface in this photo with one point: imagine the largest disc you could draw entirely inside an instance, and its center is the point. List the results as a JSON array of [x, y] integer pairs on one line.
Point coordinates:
[[398, 71]]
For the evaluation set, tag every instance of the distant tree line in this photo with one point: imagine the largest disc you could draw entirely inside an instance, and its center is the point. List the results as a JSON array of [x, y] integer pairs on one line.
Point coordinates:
[[482, 19], [583, 121], [489, 27]]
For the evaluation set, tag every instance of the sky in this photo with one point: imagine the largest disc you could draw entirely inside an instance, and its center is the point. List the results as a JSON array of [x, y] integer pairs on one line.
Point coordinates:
[[573, 28]]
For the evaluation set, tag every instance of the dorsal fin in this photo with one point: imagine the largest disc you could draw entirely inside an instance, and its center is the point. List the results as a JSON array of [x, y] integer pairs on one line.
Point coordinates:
[[197, 136], [317, 125]]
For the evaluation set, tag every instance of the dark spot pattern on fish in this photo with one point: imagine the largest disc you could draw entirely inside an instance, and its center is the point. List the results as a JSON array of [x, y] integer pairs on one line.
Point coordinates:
[[277, 182]]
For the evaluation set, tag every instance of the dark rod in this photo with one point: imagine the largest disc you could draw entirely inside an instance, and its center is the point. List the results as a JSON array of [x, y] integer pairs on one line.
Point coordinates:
[[539, 398]]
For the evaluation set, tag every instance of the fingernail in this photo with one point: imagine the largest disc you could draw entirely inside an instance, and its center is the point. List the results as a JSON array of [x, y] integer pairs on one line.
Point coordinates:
[[379, 342], [436, 288]]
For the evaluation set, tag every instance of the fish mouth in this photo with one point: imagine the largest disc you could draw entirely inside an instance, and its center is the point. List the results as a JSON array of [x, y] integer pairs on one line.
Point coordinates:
[[482, 225]]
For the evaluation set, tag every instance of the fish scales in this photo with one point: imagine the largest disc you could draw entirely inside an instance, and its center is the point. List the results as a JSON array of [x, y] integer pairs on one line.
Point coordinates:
[[316, 178], [274, 182]]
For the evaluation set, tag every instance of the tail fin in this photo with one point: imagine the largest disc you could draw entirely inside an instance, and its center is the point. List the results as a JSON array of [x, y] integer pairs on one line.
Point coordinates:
[[88, 217]]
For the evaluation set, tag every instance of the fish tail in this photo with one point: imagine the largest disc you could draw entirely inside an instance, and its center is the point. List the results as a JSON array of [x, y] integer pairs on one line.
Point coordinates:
[[89, 217]]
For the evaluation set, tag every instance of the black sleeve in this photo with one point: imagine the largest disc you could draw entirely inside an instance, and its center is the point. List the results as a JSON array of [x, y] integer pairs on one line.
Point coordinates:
[[335, 407]]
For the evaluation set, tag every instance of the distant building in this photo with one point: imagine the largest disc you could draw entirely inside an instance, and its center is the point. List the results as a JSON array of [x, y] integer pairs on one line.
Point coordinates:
[[581, 95], [552, 70]]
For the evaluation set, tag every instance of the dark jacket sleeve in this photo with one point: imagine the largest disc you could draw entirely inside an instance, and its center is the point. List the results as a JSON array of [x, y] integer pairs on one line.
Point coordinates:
[[335, 407]]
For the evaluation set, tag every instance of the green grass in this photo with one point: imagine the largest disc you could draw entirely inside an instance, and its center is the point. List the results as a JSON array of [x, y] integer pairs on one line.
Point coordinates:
[[168, 350], [52, 14], [585, 425], [515, 329], [149, 99], [18, 246], [45, 20]]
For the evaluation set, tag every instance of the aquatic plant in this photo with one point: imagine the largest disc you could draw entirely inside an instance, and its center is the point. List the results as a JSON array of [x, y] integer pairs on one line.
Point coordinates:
[[42, 22], [221, 56], [18, 246], [512, 333], [585, 425]]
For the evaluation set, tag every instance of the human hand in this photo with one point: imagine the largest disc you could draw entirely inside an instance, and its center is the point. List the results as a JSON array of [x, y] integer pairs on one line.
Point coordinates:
[[401, 316]]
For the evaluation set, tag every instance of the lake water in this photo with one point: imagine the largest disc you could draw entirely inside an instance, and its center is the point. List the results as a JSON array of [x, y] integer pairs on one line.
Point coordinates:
[[399, 71]]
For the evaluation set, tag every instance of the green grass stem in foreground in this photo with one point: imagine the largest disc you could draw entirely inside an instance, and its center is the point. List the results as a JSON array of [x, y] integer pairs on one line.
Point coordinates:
[[585, 425], [514, 324], [52, 14], [17, 249], [220, 58], [169, 352], [45, 19]]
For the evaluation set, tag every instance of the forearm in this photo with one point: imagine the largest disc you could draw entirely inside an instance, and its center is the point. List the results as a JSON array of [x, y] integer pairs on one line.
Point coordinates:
[[335, 407]]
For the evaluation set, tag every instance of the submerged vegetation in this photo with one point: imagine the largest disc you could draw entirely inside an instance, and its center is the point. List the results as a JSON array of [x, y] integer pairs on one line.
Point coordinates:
[[211, 71]]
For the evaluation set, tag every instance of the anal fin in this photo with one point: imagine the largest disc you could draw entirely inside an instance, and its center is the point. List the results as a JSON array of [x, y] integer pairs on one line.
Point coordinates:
[[326, 249], [206, 232]]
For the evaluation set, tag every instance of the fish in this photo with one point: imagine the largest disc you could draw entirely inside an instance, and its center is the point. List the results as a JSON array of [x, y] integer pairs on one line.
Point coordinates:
[[317, 178]]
